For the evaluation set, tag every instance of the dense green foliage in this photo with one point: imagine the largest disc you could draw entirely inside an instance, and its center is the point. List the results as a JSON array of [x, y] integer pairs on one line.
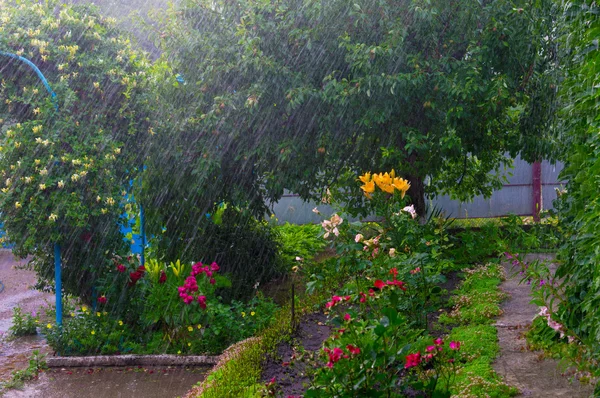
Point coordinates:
[[64, 169], [579, 207], [290, 94]]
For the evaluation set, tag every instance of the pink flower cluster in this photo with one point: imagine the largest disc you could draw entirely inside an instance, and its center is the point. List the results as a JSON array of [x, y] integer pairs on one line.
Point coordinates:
[[335, 300], [337, 353], [545, 313], [186, 292], [416, 359]]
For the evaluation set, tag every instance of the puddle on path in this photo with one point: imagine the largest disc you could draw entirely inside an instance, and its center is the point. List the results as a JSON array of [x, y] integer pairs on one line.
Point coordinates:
[[159, 382]]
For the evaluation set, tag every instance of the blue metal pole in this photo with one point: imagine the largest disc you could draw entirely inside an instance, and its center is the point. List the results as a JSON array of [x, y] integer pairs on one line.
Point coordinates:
[[37, 71], [58, 283]]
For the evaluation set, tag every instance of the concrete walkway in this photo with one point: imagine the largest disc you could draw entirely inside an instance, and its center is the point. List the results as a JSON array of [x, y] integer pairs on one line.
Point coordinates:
[[519, 367]]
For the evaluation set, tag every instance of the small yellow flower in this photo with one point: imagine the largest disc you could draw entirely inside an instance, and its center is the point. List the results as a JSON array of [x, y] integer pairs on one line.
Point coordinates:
[[252, 313], [120, 323], [199, 326], [49, 326], [61, 184], [243, 314], [17, 205], [43, 172], [37, 161], [36, 111], [52, 217], [179, 352], [104, 313], [84, 308], [189, 344], [98, 314], [191, 329], [42, 187], [93, 332], [72, 315]]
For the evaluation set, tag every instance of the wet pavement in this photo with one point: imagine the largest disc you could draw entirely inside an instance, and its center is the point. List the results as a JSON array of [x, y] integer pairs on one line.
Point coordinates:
[[18, 290], [163, 382], [524, 369]]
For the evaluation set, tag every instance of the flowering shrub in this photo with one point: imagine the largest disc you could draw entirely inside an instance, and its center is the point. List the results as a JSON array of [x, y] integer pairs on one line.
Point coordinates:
[[63, 170], [172, 309], [88, 332]]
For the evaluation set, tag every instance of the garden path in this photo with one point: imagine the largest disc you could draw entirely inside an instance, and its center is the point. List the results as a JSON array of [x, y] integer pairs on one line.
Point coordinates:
[[18, 291], [526, 370]]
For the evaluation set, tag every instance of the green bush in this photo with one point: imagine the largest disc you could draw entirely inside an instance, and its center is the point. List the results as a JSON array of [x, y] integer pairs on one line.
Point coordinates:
[[23, 324], [304, 241]]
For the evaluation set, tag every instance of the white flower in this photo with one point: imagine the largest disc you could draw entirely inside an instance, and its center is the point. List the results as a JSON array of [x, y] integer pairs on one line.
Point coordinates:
[[52, 217], [392, 252], [299, 258], [61, 184], [42, 187], [411, 210], [75, 177], [316, 211]]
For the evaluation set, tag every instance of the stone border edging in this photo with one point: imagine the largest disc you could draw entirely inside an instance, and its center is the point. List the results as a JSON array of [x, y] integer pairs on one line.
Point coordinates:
[[132, 360]]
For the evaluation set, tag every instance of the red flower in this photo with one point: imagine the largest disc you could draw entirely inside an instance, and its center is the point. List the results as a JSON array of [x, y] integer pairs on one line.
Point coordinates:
[[353, 349], [202, 302], [134, 277], [334, 356], [363, 297], [141, 269], [347, 317], [395, 282], [121, 268], [394, 271], [371, 292], [214, 267], [379, 284], [102, 300], [412, 360], [163, 277], [212, 281], [455, 345], [430, 348], [347, 298], [438, 341]]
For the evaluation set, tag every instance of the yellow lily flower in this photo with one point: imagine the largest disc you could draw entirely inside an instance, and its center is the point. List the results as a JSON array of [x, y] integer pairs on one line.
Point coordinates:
[[369, 187], [365, 178], [401, 184]]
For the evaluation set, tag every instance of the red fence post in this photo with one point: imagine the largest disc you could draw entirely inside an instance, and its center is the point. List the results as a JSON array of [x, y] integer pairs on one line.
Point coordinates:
[[536, 170]]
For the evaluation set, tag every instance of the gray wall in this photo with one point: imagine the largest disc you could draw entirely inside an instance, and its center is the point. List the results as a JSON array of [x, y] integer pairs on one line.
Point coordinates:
[[515, 197]]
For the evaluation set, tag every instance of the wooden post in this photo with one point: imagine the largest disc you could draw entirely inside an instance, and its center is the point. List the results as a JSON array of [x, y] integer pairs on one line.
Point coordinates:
[[536, 170]]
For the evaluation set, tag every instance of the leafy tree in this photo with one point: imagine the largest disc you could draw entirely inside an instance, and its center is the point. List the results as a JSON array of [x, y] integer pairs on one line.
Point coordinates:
[[579, 207], [65, 163], [299, 94]]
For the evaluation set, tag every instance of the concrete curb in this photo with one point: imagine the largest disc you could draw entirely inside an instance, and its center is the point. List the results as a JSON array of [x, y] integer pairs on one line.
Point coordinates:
[[132, 360]]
